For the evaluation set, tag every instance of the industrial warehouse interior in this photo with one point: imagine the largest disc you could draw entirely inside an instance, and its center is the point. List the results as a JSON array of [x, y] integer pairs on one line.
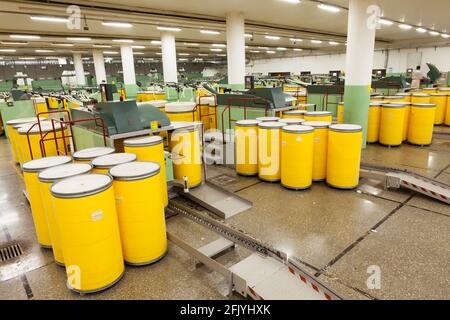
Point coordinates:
[[224, 150]]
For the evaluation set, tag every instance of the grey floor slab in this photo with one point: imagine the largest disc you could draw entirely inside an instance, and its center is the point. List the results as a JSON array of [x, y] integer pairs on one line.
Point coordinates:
[[411, 249], [12, 290]]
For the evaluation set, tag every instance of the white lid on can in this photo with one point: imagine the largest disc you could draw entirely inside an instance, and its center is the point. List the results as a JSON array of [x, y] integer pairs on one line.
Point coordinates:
[[268, 119], [438, 94], [346, 127], [424, 105], [23, 120], [180, 107], [44, 128], [81, 185], [247, 123], [420, 95], [295, 112], [271, 125], [64, 171], [114, 159], [37, 165], [393, 105], [135, 170], [143, 141], [317, 124], [291, 121], [318, 113], [403, 94], [396, 97], [375, 104], [92, 153], [158, 103], [298, 129]]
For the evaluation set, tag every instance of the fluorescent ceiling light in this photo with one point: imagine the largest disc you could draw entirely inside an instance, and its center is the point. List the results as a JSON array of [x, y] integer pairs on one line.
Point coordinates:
[[421, 30], [298, 49], [14, 43], [405, 26], [174, 29], [272, 37], [159, 53], [209, 32], [255, 51], [316, 41], [182, 59], [155, 42], [27, 58], [215, 50], [221, 55], [183, 54], [292, 1], [218, 45], [138, 53], [123, 40], [328, 7], [23, 36], [117, 24], [7, 50], [138, 47], [270, 51], [62, 44], [434, 33], [203, 54], [446, 36], [386, 22], [101, 46], [333, 43], [43, 51], [281, 49], [191, 44], [49, 19], [295, 40], [110, 52], [79, 39], [248, 35]]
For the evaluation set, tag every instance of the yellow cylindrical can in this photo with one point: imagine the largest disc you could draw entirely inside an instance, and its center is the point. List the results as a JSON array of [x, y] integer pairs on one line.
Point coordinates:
[[246, 144], [319, 172], [377, 99], [429, 90], [440, 100], [391, 124], [319, 116], [340, 112], [294, 114], [269, 153], [344, 155], [373, 127], [140, 211], [35, 134], [31, 171], [104, 163], [447, 113], [420, 98], [46, 178], [86, 215], [89, 154], [12, 126], [406, 96], [297, 148], [421, 124], [186, 156], [150, 149], [393, 99], [182, 111]]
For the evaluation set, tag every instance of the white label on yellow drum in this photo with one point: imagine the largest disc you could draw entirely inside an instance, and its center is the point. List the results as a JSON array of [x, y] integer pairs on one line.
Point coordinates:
[[97, 216]]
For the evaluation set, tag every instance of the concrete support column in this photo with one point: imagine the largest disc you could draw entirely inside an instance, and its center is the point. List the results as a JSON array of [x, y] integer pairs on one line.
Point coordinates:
[[79, 69], [129, 74], [236, 48], [359, 62], [99, 66], [169, 57]]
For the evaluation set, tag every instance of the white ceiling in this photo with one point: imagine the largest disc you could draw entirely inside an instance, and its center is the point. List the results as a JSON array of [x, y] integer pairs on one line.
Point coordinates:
[[273, 17]]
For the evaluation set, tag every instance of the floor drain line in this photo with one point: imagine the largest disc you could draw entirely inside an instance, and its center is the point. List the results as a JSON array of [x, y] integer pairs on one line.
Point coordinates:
[[10, 252]]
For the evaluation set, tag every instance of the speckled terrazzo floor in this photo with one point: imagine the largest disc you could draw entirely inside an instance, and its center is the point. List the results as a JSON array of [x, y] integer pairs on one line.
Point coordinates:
[[336, 234]]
